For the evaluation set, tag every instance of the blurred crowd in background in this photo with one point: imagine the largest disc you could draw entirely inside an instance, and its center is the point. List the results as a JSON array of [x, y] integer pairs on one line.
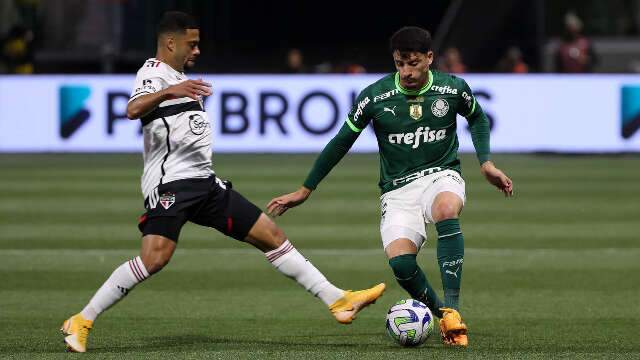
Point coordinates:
[[115, 36]]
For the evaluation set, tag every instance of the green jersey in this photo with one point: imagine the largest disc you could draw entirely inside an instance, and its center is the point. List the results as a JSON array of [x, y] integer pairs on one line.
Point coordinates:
[[415, 130]]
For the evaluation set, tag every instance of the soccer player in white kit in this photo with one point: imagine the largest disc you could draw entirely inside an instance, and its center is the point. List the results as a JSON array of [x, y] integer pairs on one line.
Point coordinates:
[[179, 185]]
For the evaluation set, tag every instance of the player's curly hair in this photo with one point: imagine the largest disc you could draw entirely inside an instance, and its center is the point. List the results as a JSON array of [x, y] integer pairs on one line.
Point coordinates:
[[176, 21], [410, 39]]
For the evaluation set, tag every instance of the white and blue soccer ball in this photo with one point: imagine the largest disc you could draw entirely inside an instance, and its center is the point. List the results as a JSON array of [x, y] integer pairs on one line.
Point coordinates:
[[410, 322]]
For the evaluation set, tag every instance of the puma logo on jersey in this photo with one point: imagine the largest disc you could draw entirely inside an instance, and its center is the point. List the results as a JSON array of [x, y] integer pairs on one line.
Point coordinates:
[[454, 273], [393, 111]]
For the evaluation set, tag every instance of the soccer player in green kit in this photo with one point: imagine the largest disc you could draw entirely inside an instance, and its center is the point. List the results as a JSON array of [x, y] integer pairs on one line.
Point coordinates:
[[413, 113]]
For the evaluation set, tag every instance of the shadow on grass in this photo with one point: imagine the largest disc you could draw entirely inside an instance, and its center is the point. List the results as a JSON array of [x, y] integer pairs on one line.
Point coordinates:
[[212, 343], [198, 342]]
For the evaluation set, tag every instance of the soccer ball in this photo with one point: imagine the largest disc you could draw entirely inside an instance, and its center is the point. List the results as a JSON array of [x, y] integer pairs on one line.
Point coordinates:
[[409, 322]]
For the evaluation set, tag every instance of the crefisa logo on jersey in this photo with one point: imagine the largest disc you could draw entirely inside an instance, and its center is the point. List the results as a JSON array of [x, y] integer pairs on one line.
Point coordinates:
[[440, 107], [167, 199], [73, 113]]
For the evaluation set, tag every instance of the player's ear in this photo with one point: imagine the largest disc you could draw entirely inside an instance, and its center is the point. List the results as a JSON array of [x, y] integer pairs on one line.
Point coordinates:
[[429, 57], [171, 43]]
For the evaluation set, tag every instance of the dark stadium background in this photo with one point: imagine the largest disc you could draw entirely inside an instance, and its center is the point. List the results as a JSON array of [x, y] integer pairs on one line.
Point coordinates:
[[253, 37]]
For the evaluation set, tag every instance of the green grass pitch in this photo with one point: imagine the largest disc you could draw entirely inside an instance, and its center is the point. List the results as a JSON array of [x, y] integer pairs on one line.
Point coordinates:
[[552, 273]]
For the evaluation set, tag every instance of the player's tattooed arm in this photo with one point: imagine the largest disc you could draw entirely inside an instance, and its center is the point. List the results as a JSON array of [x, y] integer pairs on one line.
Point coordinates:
[[144, 104]]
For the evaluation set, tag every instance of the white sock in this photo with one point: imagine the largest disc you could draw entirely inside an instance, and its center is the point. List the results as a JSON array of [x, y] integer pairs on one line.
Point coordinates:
[[117, 286], [292, 264]]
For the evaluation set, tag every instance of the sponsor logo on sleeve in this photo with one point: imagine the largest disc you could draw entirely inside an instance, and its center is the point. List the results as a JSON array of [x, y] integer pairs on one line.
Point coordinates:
[[360, 109], [147, 85], [467, 99]]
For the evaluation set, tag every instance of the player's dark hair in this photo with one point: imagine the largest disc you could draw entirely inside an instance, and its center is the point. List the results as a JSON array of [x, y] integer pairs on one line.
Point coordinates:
[[410, 39], [176, 22]]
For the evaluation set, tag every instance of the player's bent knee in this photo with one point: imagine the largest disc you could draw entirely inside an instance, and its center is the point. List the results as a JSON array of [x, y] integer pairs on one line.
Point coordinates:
[[447, 205], [155, 262], [156, 252], [156, 259], [401, 245], [278, 236], [275, 235], [444, 211], [265, 234]]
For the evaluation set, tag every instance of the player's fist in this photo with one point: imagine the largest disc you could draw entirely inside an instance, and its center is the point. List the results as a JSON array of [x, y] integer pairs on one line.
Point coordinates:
[[497, 178], [190, 88], [278, 206]]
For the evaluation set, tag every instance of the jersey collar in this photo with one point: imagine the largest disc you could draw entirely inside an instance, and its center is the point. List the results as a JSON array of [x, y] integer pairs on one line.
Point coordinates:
[[169, 66], [414, 92]]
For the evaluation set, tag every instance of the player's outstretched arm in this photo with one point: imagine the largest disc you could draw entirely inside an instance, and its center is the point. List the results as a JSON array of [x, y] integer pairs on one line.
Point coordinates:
[[146, 103], [332, 153], [497, 178], [278, 206]]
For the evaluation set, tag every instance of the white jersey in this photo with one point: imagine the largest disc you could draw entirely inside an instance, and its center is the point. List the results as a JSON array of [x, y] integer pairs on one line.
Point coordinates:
[[177, 134]]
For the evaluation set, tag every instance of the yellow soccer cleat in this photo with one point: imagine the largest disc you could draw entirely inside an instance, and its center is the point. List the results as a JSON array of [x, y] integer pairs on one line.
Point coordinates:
[[346, 308], [76, 330], [452, 329]]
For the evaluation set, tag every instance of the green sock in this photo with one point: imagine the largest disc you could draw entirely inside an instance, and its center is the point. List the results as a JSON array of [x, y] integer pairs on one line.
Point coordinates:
[[413, 280], [450, 257]]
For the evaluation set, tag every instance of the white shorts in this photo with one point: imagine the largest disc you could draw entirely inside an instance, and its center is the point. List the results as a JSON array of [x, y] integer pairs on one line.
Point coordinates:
[[407, 210]]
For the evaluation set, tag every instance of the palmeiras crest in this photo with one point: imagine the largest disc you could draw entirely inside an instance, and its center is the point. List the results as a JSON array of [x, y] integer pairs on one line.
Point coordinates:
[[440, 107]]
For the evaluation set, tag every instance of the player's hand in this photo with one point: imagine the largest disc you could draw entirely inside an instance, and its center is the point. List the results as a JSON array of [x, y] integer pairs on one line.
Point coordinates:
[[281, 204], [190, 88], [497, 178]]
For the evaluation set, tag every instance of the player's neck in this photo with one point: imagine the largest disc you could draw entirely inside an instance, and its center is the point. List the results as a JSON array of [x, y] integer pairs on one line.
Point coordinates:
[[425, 82], [165, 59], [420, 85]]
